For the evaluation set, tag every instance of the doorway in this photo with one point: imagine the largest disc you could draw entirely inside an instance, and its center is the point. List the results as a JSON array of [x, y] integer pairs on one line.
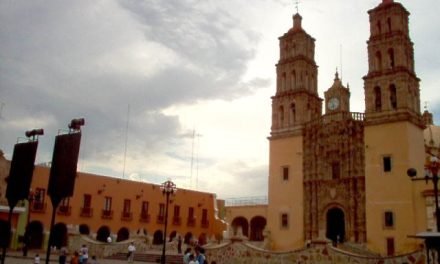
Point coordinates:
[[335, 225]]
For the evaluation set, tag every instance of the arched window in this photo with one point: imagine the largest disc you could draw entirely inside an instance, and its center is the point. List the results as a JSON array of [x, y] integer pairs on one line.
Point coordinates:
[[378, 61], [389, 24], [281, 116], [393, 97], [293, 80], [377, 98], [292, 113], [283, 81], [379, 27], [391, 57]]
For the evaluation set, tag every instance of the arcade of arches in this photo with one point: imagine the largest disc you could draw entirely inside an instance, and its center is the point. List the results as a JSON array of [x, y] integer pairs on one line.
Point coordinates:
[[252, 229]]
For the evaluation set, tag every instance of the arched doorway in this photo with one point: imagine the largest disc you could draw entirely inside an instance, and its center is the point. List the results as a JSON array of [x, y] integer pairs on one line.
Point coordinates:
[[203, 239], [258, 223], [240, 222], [187, 239], [84, 229], [35, 235], [59, 235], [335, 225], [123, 234], [172, 235], [103, 233], [157, 237]]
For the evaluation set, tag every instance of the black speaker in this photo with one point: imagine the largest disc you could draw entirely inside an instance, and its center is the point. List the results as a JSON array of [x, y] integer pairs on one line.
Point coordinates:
[[21, 171], [63, 169]]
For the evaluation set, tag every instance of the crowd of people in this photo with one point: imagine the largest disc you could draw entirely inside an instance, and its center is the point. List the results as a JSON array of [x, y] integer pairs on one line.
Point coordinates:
[[196, 256]]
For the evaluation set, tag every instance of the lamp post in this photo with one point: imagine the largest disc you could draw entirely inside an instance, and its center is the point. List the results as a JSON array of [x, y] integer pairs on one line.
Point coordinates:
[[432, 166], [168, 188]]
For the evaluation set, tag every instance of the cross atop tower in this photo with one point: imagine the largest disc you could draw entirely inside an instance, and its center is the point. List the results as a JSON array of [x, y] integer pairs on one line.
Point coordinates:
[[297, 6]]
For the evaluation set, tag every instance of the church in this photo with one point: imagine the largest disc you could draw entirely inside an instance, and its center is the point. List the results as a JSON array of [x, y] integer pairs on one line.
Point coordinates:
[[339, 175]]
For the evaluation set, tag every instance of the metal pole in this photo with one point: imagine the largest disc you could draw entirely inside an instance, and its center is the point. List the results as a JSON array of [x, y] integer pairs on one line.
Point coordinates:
[[165, 229], [435, 181], [52, 221]]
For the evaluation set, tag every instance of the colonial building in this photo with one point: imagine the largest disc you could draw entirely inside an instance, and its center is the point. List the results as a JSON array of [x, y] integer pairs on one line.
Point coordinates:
[[342, 175], [103, 207]]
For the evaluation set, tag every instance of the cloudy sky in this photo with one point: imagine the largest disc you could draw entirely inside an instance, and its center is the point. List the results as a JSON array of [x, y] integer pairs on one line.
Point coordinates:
[[190, 79]]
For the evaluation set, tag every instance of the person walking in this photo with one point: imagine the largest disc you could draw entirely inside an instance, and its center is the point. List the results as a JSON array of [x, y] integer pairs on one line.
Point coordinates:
[[63, 255], [131, 250]]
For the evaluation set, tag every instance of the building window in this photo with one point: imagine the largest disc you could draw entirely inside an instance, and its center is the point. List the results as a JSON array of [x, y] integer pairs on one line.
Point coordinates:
[[390, 246], [284, 221], [378, 61], [127, 205], [336, 170], [87, 201], [387, 164], [377, 99], [391, 58], [285, 172], [162, 210], [176, 211], [205, 221], [107, 203], [144, 209], [389, 219], [393, 97]]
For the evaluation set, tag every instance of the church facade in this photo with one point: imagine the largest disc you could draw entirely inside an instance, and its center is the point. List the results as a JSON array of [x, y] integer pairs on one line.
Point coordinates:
[[342, 175]]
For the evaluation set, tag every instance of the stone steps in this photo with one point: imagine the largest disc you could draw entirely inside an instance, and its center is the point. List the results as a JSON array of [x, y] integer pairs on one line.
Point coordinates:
[[150, 257]]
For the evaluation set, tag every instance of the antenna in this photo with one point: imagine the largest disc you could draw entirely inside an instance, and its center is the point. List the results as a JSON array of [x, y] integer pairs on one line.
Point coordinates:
[[126, 141], [297, 6]]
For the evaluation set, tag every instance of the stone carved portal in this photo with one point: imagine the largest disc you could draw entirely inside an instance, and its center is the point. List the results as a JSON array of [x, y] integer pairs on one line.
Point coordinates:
[[335, 225]]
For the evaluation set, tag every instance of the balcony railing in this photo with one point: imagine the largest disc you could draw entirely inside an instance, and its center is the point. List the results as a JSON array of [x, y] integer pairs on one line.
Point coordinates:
[[177, 220], [191, 221], [64, 210], [86, 212], [145, 218], [38, 207], [107, 214], [126, 216], [205, 223], [160, 219]]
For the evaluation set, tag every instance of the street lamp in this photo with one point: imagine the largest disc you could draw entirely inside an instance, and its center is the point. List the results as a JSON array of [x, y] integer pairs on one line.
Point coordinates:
[[431, 173], [168, 188]]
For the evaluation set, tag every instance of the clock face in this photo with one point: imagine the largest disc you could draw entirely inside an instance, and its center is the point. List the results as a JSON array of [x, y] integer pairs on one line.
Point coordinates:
[[333, 103]]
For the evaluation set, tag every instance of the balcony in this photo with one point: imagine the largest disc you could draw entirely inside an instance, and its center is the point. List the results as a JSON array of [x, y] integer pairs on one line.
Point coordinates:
[[160, 219], [38, 207], [86, 212], [64, 210], [177, 220], [205, 223], [107, 214], [191, 221], [126, 216], [145, 217]]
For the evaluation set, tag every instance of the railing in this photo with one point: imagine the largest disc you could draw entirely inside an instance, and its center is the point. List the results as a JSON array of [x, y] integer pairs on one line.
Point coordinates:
[[205, 223], [126, 216], [38, 207], [245, 201], [107, 214], [191, 222], [145, 218], [64, 210], [86, 212], [177, 220]]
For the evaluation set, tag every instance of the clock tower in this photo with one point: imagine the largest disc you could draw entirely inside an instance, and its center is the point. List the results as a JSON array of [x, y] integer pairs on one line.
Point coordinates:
[[337, 97]]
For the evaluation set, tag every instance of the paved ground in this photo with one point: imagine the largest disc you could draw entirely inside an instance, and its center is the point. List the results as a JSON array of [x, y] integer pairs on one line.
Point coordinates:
[[17, 258]]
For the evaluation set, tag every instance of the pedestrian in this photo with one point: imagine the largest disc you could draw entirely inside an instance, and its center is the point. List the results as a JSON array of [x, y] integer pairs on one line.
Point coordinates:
[[75, 258], [179, 245], [109, 239], [93, 261], [186, 256], [192, 260], [37, 259], [130, 254], [84, 254], [200, 257], [63, 255]]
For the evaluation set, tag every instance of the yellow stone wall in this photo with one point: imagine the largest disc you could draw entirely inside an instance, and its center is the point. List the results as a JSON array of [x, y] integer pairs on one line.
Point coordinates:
[[393, 190], [286, 196]]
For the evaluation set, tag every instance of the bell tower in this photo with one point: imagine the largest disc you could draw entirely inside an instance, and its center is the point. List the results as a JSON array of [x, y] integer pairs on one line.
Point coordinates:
[[393, 132], [295, 103]]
